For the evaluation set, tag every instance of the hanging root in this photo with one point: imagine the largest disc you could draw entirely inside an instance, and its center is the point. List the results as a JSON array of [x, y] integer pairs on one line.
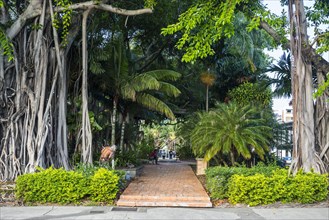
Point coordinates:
[[293, 166], [320, 164]]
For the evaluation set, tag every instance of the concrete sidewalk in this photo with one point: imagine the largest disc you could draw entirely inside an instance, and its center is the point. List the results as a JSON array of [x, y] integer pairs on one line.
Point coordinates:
[[106, 212]]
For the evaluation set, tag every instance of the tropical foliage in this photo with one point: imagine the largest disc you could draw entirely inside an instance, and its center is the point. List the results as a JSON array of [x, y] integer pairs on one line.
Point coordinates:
[[206, 23], [230, 129], [250, 93], [282, 80], [89, 73]]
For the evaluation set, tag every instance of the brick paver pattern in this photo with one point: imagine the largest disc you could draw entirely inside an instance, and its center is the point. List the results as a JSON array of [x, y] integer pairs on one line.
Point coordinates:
[[166, 184]]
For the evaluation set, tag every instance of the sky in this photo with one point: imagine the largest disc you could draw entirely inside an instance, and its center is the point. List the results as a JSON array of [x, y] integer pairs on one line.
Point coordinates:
[[275, 6], [278, 103]]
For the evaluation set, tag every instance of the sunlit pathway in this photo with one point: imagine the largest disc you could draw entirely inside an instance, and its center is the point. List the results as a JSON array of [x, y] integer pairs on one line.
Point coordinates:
[[167, 184]]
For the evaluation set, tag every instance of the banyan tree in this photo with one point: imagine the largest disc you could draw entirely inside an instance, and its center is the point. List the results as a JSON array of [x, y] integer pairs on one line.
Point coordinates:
[[36, 37]]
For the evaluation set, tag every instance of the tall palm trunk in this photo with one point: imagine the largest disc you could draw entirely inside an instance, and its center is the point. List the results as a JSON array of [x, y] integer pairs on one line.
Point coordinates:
[[114, 119], [113, 123], [123, 126], [207, 97]]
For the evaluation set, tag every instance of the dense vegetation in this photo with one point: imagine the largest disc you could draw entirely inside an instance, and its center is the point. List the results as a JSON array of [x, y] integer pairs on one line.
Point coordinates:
[[262, 185], [76, 75], [60, 186]]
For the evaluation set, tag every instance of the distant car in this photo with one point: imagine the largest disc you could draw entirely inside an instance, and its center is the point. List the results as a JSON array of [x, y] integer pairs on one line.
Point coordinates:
[[287, 161]]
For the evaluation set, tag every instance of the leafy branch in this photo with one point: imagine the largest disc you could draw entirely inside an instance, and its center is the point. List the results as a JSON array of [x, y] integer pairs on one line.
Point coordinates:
[[65, 17], [6, 45]]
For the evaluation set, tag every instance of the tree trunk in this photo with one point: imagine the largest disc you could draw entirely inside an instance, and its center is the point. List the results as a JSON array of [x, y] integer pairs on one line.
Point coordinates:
[[232, 158], [304, 154], [86, 128], [207, 97], [113, 121], [123, 126], [322, 123], [33, 89], [30, 108]]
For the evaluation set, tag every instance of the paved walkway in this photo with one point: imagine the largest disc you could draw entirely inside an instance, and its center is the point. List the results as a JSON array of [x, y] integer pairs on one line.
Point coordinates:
[[156, 213], [166, 184]]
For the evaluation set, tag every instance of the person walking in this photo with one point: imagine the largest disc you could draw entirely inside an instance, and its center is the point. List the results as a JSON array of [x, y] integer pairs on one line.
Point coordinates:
[[154, 156]]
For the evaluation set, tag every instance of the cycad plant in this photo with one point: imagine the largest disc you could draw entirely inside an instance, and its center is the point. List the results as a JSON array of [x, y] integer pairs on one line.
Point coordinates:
[[230, 130]]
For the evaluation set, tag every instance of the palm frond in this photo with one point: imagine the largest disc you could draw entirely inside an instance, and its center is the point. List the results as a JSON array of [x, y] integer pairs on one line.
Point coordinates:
[[155, 104], [96, 67], [169, 89], [144, 82], [230, 128], [127, 92], [282, 80], [164, 75]]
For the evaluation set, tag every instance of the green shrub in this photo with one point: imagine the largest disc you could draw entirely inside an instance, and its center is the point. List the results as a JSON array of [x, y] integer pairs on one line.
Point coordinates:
[[122, 158], [252, 190], [217, 178], [260, 189], [88, 170], [309, 187], [122, 179], [60, 186], [52, 185], [104, 185]]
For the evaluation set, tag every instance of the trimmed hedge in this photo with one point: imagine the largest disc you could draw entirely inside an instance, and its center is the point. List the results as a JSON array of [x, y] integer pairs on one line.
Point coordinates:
[[217, 178], [52, 185], [104, 185], [260, 189], [60, 186]]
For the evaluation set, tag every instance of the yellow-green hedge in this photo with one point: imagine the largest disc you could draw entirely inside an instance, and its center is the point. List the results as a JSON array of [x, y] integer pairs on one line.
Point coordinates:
[[218, 178], [260, 189], [104, 185], [61, 186]]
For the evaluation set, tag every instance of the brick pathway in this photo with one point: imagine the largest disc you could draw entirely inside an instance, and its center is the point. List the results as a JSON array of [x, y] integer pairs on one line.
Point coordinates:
[[167, 184]]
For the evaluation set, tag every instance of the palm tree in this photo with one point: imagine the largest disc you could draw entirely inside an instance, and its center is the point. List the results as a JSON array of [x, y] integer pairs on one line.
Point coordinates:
[[208, 80], [282, 80], [143, 92], [230, 130], [122, 85]]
